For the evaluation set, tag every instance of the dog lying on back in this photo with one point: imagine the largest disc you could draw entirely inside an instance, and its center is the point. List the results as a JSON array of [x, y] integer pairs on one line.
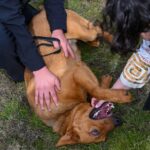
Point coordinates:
[[74, 119]]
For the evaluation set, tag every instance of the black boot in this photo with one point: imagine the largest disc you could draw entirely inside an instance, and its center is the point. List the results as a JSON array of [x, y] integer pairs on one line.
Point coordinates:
[[147, 103]]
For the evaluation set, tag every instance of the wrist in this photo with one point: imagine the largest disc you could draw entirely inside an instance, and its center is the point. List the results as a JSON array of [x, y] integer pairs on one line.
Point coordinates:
[[43, 70], [56, 31], [119, 85]]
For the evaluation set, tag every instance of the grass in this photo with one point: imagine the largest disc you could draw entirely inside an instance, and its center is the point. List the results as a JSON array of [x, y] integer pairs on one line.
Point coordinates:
[[20, 129]]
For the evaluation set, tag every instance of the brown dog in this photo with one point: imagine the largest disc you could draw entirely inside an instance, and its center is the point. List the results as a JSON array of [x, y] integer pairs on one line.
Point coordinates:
[[71, 119]]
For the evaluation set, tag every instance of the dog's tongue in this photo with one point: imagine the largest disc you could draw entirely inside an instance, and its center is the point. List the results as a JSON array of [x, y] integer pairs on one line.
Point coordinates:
[[103, 111]]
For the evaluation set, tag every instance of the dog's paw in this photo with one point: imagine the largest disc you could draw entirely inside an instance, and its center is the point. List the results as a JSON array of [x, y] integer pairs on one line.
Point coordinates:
[[124, 96], [95, 43], [106, 81], [106, 78]]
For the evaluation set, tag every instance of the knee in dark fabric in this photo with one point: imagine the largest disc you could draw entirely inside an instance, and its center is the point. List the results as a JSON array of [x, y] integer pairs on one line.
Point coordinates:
[[29, 12], [8, 56], [7, 46]]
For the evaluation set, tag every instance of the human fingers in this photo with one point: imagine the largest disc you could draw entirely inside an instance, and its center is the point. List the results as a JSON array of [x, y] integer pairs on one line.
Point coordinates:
[[56, 45], [93, 101], [96, 103], [57, 85], [47, 100], [99, 103], [70, 51], [36, 97], [41, 100], [64, 48], [54, 96]]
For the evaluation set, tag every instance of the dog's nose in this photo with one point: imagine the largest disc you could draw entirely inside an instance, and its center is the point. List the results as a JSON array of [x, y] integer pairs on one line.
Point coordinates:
[[117, 121]]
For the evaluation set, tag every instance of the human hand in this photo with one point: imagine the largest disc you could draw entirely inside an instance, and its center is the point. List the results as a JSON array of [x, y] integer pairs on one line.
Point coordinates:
[[117, 85], [46, 86], [96, 103], [58, 33], [146, 35]]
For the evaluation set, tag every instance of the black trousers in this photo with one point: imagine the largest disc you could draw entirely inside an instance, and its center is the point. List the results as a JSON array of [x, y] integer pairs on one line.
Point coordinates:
[[147, 104], [9, 59]]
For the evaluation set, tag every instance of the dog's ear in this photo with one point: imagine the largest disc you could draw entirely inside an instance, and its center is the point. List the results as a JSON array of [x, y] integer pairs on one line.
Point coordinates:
[[70, 137]]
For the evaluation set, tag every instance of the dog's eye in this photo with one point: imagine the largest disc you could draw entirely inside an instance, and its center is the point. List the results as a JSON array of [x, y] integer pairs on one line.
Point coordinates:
[[95, 132]]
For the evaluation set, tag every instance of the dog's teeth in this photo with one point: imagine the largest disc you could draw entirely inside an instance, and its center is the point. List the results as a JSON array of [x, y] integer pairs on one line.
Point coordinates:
[[112, 106], [108, 112], [108, 105], [95, 115]]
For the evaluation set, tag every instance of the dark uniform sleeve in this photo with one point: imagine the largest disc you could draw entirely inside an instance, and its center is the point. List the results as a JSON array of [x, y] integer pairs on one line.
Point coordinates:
[[56, 14], [10, 16]]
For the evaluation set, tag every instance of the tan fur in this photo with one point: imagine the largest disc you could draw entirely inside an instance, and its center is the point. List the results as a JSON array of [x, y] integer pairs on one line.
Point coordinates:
[[70, 119]]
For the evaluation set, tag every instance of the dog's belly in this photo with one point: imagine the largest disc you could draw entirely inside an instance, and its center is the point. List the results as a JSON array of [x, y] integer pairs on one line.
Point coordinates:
[[69, 95]]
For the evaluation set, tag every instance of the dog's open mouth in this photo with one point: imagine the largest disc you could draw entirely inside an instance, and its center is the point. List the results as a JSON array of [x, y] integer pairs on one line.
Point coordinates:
[[104, 111]]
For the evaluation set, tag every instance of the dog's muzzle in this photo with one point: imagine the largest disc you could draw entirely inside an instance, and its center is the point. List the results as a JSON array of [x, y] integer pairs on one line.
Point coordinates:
[[104, 111]]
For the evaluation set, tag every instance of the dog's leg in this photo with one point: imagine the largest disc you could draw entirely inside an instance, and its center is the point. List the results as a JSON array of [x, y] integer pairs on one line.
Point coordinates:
[[105, 81], [85, 78], [107, 36], [27, 76], [84, 31]]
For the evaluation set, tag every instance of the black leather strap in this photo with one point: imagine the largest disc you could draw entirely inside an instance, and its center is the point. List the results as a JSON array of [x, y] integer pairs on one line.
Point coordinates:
[[50, 40]]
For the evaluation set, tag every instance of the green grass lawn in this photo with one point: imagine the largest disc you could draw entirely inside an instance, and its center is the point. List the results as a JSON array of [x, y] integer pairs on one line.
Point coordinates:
[[20, 129]]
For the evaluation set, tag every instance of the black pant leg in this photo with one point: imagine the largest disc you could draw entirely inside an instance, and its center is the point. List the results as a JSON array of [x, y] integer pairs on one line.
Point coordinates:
[[8, 57], [147, 103], [29, 12]]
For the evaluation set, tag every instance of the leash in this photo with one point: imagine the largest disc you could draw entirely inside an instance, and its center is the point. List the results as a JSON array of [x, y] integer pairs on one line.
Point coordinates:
[[50, 41]]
